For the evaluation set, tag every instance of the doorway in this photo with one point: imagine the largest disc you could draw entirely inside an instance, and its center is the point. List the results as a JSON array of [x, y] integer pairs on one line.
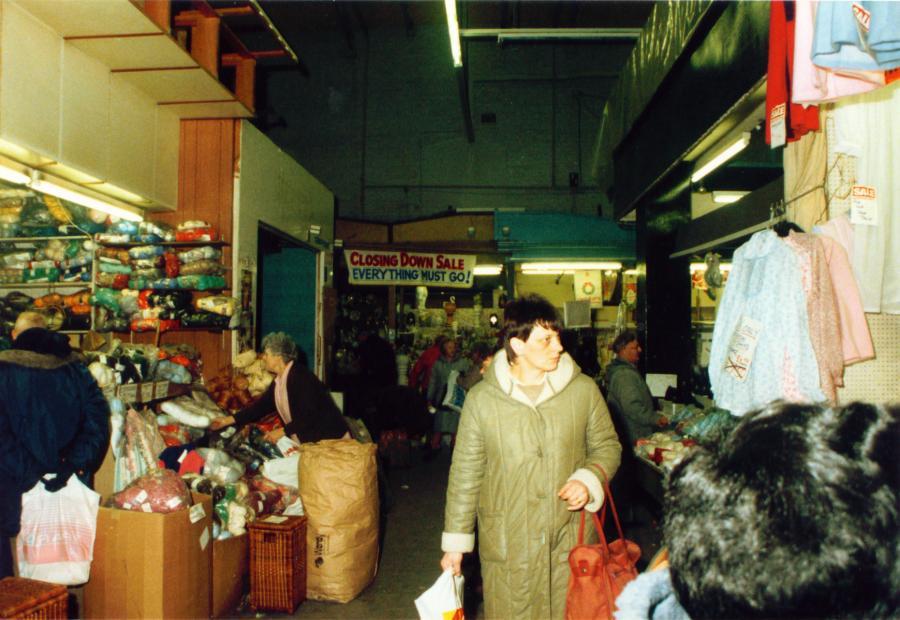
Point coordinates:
[[287, 290]]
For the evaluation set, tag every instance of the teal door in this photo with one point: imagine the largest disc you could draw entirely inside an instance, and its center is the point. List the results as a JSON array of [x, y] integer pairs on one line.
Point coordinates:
[[288, 297]]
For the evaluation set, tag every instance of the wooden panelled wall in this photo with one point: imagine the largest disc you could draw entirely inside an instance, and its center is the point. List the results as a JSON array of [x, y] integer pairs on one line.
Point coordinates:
[[208, 158]]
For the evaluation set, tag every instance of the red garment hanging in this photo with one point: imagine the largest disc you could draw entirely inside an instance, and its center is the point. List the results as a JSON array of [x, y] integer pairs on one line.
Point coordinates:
[[797, 119]]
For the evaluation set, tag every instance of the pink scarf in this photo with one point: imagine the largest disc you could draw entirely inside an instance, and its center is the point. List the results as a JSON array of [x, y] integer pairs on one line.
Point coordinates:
[[281, 395]]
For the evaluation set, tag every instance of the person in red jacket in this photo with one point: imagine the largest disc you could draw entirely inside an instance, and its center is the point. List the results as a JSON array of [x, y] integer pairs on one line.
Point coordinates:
[[420, 375]]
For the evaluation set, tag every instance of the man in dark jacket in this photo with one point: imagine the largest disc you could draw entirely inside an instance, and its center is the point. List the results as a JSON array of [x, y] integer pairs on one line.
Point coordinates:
[[53, 419], [302, 401], [627, 394]]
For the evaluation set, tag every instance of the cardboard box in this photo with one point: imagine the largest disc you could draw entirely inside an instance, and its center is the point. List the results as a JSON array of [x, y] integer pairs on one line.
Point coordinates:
[[230, 564], [149, 565], [105, 477]]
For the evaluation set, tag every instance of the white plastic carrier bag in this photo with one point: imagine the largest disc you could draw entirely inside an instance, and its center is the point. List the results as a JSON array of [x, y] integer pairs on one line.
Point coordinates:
[[56, 541], [443, 600]]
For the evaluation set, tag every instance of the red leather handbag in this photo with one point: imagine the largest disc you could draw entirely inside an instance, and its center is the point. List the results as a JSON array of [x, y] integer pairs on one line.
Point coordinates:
[[599, 572]]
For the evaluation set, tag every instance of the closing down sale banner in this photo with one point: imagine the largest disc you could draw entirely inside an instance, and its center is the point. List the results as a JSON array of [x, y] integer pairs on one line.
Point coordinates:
[[374, 267]]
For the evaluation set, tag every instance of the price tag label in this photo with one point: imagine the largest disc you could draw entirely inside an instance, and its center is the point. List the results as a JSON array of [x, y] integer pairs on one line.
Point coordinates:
[[147, 391], [741, 348], [204, 538], [196, 513], [162, 389], [863, 206], [777, 126], [128, 393], [863, 17]]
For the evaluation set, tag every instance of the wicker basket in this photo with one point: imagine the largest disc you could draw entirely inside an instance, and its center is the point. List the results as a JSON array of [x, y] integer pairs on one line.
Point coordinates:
[[277, 563], [30, 599]]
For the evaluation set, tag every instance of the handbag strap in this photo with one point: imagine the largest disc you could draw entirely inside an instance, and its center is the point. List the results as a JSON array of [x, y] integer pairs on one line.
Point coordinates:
[[612, 505]]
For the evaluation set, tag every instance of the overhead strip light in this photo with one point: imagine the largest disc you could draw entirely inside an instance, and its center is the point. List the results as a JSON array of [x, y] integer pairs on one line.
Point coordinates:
[[13, 175], [702, 267], [488, 270], [726, 197], [569, 267], [453, 28], [58, 189], [724, 155]]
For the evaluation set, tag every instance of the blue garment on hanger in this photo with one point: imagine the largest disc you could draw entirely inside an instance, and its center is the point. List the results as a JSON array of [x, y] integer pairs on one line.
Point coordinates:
[[764, 290], [841, 42]]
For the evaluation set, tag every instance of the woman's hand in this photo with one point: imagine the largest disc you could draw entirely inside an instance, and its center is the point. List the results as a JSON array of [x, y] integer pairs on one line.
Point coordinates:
[[274, 435], [222, 422], [452, 561], [575, 494]]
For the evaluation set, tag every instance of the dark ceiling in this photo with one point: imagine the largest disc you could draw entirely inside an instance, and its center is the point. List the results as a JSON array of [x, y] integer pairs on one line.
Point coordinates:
[[347, 18]]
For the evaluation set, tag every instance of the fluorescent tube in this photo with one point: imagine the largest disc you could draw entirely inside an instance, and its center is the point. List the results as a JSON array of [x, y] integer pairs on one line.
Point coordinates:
[[727, 153], [453, 27], [488, 270], [64, 193]]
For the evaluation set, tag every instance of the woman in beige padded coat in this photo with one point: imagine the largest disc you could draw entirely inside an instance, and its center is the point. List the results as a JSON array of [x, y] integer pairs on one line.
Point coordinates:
[[532, 437]]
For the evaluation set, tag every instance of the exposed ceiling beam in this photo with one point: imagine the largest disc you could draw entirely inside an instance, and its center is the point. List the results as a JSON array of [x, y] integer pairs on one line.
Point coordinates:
[[540, 34]]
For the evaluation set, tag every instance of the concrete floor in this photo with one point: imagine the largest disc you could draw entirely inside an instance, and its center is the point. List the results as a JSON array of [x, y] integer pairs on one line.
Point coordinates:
[[411, 550]]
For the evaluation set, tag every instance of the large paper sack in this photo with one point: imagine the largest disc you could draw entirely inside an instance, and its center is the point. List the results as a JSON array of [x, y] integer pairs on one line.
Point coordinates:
[[339, 489]]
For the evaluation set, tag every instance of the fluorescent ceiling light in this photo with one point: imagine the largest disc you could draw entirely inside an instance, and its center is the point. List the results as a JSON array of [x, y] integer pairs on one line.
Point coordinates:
[[724, 197], [14, 174], [453, 27], [569, 267], [724, 155], [78, 197], [488, 270], [702, 267]]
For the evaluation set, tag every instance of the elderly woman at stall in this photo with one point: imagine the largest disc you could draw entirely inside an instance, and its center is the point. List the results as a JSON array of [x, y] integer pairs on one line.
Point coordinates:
[[302, 401]]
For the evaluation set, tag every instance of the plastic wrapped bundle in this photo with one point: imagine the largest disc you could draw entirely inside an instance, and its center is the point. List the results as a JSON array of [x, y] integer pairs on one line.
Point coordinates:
[[176, 301], [201, 283], [156, 230], [146, 251], [202, 267], [115, 281], [116, 255], [205, 320], [195, 230], [151, 273], [160, 491], [217, 304], [204, 253], [220, 466]]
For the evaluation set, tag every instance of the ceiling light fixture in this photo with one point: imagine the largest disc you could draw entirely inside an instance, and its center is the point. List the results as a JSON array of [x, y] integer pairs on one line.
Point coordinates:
[[726, 197], [453, 28], [488, 270], [702, 267], [59, 189], [569, 267], [721, 157], [13, 173]]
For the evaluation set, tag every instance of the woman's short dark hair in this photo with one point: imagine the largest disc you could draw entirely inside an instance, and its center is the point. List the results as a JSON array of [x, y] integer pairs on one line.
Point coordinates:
[[623, 339], [793, 514], [521, 315]]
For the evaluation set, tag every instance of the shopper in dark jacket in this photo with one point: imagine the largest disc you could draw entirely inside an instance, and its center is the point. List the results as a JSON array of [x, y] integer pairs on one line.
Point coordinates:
[[302, 401], [627, 394], [53, 419]]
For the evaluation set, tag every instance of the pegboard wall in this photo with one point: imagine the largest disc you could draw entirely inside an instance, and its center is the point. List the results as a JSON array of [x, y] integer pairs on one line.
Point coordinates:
[[878, 380]]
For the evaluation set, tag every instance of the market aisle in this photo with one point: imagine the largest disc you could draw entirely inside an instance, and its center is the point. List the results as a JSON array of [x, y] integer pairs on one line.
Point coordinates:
[[411, 549]]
